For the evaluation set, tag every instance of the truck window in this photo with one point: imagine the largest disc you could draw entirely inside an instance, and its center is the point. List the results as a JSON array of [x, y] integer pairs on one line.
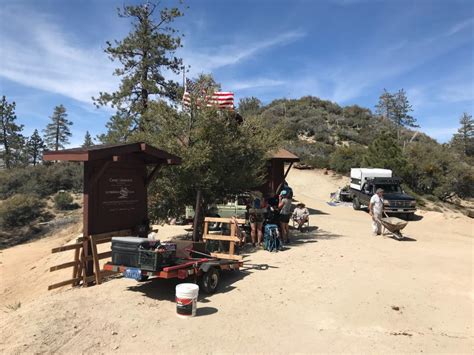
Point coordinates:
[[391, 188]]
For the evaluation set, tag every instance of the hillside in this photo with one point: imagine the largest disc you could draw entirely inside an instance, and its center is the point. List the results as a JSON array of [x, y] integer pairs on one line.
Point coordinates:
[[327, 135], [316, 127]]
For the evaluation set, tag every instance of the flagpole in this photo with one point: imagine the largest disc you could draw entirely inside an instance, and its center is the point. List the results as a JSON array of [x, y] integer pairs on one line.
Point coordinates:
[[184, 77]]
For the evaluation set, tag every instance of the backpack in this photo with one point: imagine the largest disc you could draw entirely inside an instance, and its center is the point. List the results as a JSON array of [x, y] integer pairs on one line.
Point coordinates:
[[271, 238]]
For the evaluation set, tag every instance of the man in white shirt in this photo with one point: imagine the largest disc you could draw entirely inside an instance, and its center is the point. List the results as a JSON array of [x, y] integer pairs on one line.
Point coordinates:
[[376, 211]]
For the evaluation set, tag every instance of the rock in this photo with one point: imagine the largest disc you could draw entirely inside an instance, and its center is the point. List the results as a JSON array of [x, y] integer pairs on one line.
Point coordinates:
[[395, 308], [114, 333]]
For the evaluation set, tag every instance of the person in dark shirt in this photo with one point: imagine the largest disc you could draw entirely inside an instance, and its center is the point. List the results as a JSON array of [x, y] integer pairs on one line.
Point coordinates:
[[284, 205]]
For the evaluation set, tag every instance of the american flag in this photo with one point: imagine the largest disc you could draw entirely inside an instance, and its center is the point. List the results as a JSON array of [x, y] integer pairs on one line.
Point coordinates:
[[219, 99]]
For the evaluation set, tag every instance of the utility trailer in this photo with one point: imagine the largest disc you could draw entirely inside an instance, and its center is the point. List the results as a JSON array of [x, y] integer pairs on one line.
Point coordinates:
[[205, 271]]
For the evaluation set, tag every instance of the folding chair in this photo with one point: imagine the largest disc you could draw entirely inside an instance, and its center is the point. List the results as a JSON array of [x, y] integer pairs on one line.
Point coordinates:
[[295, 223]]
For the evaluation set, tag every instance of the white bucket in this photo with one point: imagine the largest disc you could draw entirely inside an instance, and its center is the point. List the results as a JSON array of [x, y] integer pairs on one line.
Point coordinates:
[[186, 300]]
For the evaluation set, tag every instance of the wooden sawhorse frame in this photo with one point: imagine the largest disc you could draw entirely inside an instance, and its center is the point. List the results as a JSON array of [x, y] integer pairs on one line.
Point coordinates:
[[232, 238]]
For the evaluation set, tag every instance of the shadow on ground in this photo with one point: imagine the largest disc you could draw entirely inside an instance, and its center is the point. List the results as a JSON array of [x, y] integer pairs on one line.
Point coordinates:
[[404, 239], [414, 218], [310, 235], [310, 210], [164, 289]]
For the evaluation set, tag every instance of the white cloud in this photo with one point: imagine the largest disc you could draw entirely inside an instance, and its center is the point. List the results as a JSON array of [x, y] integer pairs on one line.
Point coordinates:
[[206, 60], [384, 61], [36, 53], [254, 84], [457, 92], [460, 26]]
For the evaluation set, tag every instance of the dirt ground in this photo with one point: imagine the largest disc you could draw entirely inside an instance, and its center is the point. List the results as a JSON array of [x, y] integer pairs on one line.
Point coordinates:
[[335, 289]]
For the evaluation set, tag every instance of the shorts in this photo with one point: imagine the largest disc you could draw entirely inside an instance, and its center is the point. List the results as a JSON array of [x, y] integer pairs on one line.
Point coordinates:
[[284, 218], [256, 218]]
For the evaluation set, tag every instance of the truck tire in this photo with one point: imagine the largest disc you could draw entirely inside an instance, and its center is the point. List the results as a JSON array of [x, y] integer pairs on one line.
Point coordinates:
[[356, 204]]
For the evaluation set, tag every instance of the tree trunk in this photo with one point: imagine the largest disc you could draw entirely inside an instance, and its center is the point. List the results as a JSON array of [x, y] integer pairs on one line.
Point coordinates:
[[7, 148], [35, 154], [144, 93], [197, 217], [57, 136]]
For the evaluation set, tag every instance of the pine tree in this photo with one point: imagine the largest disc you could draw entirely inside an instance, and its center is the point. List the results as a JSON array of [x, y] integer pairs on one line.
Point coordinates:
[[463, 141], [396, 108], [145, 54], [57, 133], [385, 106], [11, 138], [34, 148], [384, 152], [87, 140]]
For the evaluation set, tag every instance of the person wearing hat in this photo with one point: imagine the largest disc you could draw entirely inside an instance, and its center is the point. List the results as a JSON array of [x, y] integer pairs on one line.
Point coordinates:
[[300, 215], [284, 204], [376, 211]]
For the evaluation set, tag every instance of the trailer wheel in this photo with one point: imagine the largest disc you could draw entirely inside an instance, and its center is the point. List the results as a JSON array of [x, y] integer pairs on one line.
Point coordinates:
[[356, 204], [210, 280]]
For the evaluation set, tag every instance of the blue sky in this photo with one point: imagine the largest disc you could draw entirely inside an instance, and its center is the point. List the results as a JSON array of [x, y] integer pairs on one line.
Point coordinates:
[[348, 51]]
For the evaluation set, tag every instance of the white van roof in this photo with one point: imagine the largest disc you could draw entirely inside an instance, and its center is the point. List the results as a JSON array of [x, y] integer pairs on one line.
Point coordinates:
[[375, 171], [370, 173]]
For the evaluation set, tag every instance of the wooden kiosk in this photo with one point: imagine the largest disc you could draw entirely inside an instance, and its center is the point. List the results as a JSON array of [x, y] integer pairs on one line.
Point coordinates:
[[116, 178], [276, 173]]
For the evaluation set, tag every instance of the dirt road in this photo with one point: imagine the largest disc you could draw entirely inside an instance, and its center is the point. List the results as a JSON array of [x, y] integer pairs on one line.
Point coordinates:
[[335, 289]]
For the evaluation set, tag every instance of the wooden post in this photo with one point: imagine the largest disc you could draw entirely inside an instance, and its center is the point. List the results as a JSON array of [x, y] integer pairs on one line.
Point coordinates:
[[89, 265], [284, 178], [76, 260], [232, 234], [197, 212], [95, 260]]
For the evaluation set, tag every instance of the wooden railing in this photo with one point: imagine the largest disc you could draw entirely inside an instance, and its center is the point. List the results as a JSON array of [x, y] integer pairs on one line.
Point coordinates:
[[79, 263]]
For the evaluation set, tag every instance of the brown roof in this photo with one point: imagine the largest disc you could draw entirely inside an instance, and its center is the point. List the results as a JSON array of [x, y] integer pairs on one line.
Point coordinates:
[[146, 152], [283, 154]]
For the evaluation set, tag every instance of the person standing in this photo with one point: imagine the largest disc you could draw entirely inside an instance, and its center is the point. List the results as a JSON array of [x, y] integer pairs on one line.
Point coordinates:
[[376, 211], [284, 204], [256, 211]]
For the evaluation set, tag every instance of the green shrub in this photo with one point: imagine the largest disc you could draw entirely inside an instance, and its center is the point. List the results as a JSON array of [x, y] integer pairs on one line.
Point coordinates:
[[345, 158], [63, 200], [315, 154], [41, 180], [20, 210]]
